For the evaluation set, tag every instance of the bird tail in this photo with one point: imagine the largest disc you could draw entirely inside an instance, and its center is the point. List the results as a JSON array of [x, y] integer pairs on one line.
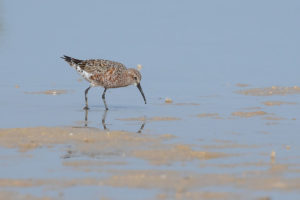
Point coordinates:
[[71, 61]]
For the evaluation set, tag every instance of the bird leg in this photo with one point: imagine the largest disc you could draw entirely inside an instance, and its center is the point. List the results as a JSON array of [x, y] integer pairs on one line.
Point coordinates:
[[103, 98], [86, 99]]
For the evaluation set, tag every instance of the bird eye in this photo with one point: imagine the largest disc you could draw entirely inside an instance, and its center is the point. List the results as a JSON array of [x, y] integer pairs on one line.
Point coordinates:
[[135, 78]]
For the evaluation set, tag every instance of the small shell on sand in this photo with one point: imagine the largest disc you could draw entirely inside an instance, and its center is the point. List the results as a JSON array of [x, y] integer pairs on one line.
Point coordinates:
[[273, 154], [168, 100], [139, 67]]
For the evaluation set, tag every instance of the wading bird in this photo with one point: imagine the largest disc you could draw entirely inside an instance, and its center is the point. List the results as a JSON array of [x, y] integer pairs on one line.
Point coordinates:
[[105, 73]]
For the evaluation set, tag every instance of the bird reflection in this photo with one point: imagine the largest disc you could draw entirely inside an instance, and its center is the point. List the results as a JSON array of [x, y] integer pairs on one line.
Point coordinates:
[[104, 121], [71, 153]]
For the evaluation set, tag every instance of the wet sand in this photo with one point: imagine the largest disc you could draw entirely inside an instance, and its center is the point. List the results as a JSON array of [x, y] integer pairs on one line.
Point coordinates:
[[270, 91], [248, 114], [156, 150], [171, 169], [150, 119], [49, 92]]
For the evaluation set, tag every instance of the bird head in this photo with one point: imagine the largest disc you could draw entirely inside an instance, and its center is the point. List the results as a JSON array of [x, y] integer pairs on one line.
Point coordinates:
[[135, 79]]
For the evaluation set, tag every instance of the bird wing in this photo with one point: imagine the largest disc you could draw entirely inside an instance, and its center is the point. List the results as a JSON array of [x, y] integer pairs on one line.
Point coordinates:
[[100, 66]]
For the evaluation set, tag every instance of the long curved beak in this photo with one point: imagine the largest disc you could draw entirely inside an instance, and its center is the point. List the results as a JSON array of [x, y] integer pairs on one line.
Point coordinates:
[[140, 89]]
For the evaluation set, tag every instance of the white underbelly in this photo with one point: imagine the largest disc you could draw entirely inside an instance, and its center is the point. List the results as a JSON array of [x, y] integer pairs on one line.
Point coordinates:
[[84, 74]]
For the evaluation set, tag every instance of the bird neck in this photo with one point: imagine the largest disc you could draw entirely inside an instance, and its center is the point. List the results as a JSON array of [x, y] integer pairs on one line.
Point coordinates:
[[125, 79]]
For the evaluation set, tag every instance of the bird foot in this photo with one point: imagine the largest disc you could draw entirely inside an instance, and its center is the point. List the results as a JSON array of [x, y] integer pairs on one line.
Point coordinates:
[[86, 108]]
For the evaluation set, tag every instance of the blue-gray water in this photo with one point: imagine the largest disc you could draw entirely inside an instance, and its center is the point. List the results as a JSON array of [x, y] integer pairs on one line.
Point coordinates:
[[191, 51]]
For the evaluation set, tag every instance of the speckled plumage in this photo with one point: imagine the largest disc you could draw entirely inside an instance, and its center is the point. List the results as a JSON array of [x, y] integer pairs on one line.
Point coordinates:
[[105, 73]]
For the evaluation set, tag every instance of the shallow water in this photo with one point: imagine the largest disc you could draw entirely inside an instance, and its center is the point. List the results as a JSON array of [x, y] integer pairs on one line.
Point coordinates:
[[231, 70]]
